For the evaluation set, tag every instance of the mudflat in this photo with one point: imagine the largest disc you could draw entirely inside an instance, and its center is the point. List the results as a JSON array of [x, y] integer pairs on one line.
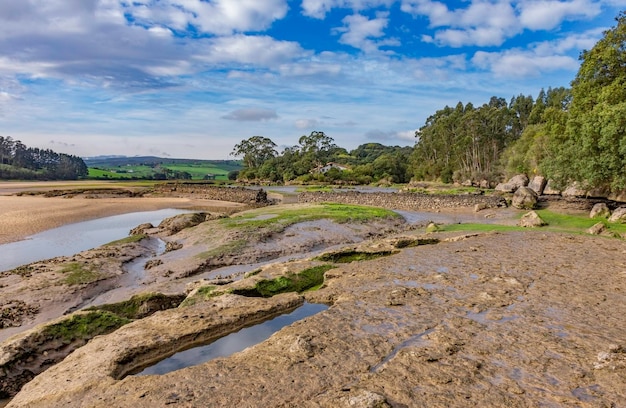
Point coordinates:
[[21, 216]]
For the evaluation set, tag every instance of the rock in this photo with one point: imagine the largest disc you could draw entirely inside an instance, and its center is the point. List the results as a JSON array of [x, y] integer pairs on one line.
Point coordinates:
[[619, 215], [180, 222], [368, 399], [480, 206], [537, 184], [172, 246], [618, 196], [141, 229], [599, 192], [596, 229], [531, 220], [521, 180], [484, 184], [600, 210], [549, 189], [524, 198], [574, 190]]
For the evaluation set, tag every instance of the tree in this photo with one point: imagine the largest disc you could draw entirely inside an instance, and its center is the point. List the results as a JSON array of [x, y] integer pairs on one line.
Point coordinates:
[[593, 151], [255, 151]]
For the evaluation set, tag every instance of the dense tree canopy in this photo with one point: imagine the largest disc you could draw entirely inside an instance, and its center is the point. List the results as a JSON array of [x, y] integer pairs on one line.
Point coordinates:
[[18, 161]]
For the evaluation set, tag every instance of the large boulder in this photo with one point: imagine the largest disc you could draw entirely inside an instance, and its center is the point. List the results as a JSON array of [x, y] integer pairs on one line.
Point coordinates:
[[524, 198], [537, 184], [549, 189], [531, 220], [618, 196], [619, 215], [574, 190], [600, 210], [521, 180]]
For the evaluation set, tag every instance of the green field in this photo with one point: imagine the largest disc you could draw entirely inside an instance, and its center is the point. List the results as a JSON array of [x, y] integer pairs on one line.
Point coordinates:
[[159, 169]]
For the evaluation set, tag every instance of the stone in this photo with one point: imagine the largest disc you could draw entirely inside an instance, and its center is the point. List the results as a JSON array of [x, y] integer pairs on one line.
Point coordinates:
[[531, 220], [141, 229], [524, 198], [600, 210], [574, 190], [596, 229], [549, 189], [618, 196], [537, 184], [619, 215], [480, 206], [515, 182]]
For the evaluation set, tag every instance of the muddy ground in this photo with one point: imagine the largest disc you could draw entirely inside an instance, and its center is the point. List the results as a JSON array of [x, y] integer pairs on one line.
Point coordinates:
[[517, 319]]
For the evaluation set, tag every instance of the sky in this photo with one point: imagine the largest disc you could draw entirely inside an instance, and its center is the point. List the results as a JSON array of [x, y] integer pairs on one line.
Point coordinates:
[[192, 78]]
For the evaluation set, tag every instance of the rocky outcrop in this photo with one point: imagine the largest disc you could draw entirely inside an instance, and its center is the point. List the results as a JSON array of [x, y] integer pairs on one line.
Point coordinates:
[[521, 180], [574, 190], [537, 184], [600, 210], [405, 201], [531, 220], [256, 197], [597, 229], [619, 215], [549, 189], [524, 198]]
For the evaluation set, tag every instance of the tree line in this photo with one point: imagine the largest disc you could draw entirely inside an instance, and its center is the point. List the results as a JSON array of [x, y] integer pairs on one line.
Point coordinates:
[[17, 161], [575, 134]]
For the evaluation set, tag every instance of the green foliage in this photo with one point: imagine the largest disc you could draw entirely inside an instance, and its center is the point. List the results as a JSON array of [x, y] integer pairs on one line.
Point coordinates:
[[307, 279], [84, 326], [352, 256], [593, 149], [141, 305], [255, 151], [78, 274]]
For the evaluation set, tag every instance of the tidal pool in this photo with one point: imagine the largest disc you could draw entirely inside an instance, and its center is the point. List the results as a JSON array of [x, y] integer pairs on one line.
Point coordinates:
[[73, 238], [233, 342]]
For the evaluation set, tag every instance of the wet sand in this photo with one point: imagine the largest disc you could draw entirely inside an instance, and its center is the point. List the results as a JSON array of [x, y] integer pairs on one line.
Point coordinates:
[[21, 216]]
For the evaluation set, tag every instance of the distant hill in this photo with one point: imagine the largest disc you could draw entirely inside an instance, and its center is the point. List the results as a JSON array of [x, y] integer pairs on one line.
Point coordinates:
[[159, 168]]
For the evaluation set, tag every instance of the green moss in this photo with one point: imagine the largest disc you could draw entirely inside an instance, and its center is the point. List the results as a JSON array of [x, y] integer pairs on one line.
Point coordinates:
[[142, 305], [128, 240], [278, 219], [232, 247], [85, 326], [307, 279], [352, 256], [413, 242], [78, 274]]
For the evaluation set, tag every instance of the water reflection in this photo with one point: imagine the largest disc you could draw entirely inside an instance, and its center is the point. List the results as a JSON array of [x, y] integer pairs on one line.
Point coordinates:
[[232, 343], [74, 238]]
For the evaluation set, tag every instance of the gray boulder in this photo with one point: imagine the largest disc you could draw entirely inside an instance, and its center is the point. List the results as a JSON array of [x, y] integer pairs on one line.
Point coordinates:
[[537, 184], [600, 210], [549, 189], [524, 198], [531, 220], [596, 229], [619, 215], [521, 180], [574, 190]]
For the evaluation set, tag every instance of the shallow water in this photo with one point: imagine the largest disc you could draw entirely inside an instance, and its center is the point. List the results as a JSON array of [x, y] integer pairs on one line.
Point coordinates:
[[73, 238], [232, 343]]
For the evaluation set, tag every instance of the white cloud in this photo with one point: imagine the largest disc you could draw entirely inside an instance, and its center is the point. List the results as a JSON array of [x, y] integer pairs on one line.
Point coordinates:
[[358, 31], [256, 51], [251, 115], [307, 123], [548, 14], [521, 63], [319, 8]]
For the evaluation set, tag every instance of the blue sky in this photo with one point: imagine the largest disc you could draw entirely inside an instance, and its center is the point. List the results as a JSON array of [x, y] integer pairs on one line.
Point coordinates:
[[191, 78]]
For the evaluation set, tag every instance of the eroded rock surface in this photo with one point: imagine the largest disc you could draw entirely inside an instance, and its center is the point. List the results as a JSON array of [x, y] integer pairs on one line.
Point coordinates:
[[512, 319]]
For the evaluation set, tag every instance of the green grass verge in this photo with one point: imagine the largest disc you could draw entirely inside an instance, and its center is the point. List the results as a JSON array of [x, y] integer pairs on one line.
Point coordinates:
[[308, 279], [279, 219], [78, 274], [84, 326], [140, 306], [352, 256]]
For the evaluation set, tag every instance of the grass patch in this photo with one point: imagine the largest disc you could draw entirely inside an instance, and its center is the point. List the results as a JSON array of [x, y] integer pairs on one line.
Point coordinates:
[[283, 218], [308, 279], [85, 326], [203, 293], [413, 242], [352, 256], [140, 306], [226, 249], [131, 239], [78, 274]]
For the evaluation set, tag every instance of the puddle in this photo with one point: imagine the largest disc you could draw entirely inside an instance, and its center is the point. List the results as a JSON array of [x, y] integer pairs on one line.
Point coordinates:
[[233, 342], [414, 341]]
